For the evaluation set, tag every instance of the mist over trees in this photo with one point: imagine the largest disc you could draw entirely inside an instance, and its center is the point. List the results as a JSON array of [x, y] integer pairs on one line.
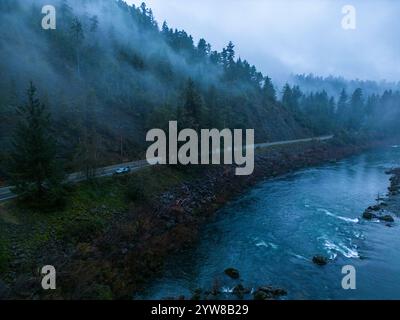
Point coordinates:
[[132, 69], [110, 72], [334, 85], [353, 112]]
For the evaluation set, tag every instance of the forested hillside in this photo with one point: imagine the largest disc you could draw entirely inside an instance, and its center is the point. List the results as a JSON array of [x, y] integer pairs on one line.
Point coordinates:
[[109, 72]]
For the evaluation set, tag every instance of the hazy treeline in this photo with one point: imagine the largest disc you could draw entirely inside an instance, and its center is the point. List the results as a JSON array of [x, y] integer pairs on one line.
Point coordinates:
[[351, 112], [334, 85], [110, 72]]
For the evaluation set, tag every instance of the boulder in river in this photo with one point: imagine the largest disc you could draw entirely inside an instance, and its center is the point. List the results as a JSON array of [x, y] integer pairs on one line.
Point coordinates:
[[232, 272], [386, 218], [261, 295], [279, 292], [275, 292], [320, 260], [369, 215], [197, 294], [240, 291]]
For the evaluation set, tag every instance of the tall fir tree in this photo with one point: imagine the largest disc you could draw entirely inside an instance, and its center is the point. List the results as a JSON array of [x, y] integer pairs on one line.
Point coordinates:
[[357, 110], [268, 91], [192, 112], [291, 97], [342, 110], [77, 35], [35, 172]]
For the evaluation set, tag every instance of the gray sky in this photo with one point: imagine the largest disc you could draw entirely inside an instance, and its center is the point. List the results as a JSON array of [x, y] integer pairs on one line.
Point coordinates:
[[295, 36]]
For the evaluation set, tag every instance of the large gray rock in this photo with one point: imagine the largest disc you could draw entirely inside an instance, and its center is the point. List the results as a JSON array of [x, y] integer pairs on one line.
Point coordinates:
[[369, 215], [320, 260], [387, 218], [261, 295], [232, 272]]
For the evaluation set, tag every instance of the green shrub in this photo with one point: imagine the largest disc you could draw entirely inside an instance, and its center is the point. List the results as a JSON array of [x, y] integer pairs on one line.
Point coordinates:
[[83, 229], [136, 189]]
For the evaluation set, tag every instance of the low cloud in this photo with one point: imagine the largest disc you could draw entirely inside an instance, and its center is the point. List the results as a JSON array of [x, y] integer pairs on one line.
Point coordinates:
[[303, 36]]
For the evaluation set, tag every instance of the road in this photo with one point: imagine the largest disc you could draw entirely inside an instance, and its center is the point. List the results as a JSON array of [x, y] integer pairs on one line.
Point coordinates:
[[279, 143], [7, 194], [108, 171]]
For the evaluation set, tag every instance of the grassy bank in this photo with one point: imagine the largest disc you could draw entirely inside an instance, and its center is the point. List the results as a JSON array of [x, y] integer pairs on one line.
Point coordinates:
[[90, 208]]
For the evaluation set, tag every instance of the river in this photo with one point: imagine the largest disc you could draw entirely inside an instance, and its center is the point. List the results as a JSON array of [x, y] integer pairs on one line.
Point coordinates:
[[271, 233]]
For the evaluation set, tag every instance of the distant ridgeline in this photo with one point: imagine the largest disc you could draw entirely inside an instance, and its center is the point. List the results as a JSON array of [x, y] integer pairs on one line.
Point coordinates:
[[334, 85], [110, 72]]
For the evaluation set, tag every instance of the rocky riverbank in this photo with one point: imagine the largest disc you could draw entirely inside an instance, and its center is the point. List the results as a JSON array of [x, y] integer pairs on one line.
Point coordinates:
[[131, 251], [388, 207], [239, 290]]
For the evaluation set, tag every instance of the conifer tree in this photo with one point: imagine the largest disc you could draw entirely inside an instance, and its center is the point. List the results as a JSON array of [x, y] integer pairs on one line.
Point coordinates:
[[357, 110], [268, 90], [191, 115], [78, 36], [35, 171], [342, 106]]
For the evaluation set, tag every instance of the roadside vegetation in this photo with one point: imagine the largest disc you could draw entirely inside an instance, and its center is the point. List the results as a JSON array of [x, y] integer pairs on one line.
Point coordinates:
[[89, 209]]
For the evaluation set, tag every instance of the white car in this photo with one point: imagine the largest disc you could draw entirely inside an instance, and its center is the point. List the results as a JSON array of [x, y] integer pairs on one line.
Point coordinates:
[[122, 170]]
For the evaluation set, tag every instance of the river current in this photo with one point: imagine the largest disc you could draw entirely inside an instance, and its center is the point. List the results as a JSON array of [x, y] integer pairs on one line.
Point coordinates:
[[271, 233]]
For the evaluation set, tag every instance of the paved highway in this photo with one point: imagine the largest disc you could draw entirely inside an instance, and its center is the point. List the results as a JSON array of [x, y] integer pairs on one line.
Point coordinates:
[[6, 193]]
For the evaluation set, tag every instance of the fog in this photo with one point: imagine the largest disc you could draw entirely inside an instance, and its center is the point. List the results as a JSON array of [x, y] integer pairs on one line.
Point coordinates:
[[118, 78], [304, 36], [125, 75]]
